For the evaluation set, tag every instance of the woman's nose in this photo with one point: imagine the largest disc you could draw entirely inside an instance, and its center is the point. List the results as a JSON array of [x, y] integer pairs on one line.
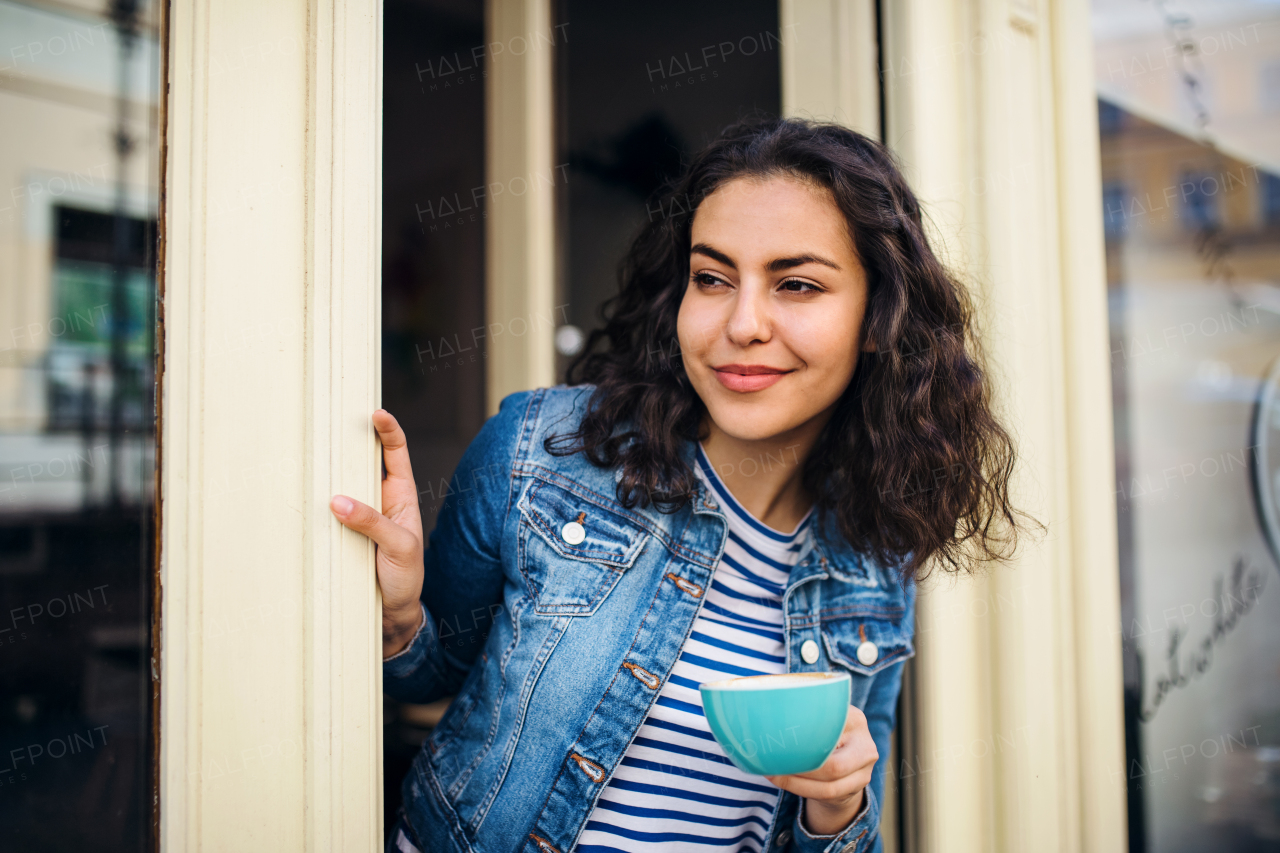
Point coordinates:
[[749, 320]]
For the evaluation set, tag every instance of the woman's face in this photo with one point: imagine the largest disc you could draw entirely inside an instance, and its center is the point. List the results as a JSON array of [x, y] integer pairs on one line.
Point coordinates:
[[769, 326]]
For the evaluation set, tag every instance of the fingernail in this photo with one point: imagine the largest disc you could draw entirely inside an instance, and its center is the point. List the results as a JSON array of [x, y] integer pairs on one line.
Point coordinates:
[[341, 505]]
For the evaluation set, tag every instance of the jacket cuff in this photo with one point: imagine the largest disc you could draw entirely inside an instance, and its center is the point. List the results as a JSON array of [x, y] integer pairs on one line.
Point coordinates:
[[408, 660], [858, 837]]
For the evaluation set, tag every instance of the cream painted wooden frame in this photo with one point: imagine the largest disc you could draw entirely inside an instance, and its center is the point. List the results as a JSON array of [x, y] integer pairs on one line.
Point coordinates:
[[520, 257], [1018, 729], [270, 718], [830, 62]]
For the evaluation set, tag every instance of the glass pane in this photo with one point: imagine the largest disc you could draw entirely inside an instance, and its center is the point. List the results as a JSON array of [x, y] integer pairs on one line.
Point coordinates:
[[1190, 141], [433, 373], [641, 87], [79, 154]]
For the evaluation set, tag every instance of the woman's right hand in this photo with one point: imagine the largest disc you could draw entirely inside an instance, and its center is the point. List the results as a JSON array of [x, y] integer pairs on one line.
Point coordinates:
[[397, 530]]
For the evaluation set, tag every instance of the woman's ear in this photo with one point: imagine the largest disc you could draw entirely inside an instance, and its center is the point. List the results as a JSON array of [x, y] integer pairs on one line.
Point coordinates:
[[869, 345]]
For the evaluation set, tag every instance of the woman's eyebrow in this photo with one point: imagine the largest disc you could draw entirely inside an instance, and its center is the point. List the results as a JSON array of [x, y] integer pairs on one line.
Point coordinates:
[[713, 254], [775, 265], [780, 264]]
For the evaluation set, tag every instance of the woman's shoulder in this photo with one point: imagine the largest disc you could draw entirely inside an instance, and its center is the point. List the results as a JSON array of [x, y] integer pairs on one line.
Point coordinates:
[[554, 412], [863, 573], [539, 413], [555, 401], [516, 432]]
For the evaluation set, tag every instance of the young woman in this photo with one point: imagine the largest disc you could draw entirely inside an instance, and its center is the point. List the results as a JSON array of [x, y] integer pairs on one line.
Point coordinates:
[[781, 425]]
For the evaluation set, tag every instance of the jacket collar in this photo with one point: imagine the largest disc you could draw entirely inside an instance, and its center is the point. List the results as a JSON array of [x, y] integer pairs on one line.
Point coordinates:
[[826, 554]]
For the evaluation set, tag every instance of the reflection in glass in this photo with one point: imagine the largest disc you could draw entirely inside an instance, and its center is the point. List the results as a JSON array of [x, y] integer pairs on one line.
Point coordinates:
[[78, 101], [1190, 143]]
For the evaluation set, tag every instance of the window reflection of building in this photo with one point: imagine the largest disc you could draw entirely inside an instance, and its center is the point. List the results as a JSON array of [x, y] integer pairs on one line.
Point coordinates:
[[78, 369], [1193, 265], [1271, 198], [78, 101], [1199, 200]]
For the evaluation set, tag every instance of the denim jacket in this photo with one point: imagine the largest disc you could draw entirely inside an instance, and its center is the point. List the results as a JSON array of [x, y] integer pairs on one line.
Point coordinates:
[[556, 651]]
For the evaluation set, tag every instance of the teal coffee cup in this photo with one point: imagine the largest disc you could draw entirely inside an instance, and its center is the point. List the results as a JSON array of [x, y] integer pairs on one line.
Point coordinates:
[[772, 725]]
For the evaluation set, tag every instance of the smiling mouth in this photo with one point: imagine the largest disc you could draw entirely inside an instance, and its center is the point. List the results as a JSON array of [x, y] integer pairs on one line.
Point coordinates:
[[745, 378]]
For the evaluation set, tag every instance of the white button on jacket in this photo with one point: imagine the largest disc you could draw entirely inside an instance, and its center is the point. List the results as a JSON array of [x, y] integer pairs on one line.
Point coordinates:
[[573, 533], [868, 653], [809, 651]]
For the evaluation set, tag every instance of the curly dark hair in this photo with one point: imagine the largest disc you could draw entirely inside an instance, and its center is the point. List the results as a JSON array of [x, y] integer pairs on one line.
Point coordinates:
[[913, 464]]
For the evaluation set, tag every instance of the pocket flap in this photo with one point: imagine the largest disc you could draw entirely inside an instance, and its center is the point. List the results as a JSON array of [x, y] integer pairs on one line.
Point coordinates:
[[606, 536], [843, 637]]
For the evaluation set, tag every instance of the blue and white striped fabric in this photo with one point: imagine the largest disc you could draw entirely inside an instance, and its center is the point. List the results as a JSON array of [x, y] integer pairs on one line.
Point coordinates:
[[675, 788]]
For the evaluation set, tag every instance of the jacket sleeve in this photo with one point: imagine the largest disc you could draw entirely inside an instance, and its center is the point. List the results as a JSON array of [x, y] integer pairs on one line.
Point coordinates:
[[462, 574], [862, 835]]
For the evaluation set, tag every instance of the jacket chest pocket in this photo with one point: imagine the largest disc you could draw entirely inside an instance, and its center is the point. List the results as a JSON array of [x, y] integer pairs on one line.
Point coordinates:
[[572, 551], [865, 645]]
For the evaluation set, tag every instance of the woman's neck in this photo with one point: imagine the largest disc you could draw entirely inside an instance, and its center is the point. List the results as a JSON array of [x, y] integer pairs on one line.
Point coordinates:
[[765, 475]]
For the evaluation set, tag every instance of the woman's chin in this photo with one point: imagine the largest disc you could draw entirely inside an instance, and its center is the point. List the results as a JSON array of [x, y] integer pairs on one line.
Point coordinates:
[[752, 422]]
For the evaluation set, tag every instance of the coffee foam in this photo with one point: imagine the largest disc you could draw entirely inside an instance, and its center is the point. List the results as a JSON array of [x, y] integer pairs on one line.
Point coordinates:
[[776, 681]]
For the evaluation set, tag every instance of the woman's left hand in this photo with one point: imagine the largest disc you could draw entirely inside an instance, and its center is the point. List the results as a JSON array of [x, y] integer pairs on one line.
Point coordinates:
[[834, 790]]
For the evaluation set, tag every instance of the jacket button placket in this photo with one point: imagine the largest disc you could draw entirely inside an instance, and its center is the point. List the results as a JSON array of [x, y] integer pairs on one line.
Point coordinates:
[[621, 711], [805, 638]]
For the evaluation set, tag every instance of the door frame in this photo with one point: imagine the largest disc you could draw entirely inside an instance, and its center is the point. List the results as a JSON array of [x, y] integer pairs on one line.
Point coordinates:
[[1016, 723], [270, 717]]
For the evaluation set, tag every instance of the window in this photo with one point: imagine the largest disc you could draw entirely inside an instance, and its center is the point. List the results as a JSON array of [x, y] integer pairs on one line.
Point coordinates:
[[1110, 118], [101, 366], [1270, 198], [1269, 87], [1114, 196], [77, 424], [1199, 200], [1194, 338]]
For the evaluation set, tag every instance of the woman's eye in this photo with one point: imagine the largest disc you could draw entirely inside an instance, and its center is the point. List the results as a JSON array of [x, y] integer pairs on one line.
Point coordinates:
[[795, 285], [706, 279]]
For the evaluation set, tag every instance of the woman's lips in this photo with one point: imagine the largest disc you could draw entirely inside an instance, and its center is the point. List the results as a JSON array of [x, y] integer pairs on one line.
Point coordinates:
[[738, 378]]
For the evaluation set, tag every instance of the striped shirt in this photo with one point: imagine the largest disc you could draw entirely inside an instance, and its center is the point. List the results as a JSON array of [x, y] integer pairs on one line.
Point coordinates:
[[675, 788]]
